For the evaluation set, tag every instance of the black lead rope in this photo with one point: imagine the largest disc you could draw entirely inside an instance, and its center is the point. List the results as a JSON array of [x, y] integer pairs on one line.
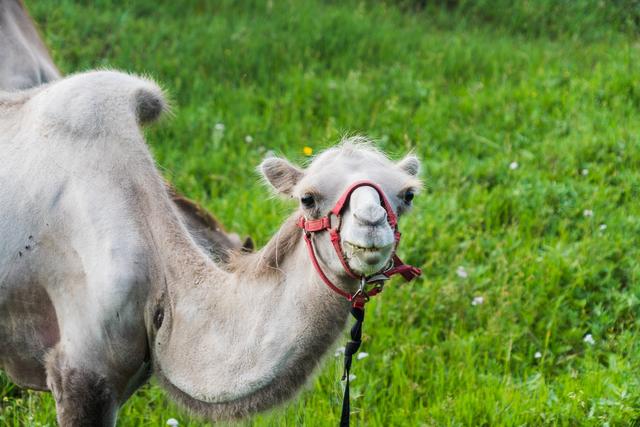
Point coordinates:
[[350, 349]]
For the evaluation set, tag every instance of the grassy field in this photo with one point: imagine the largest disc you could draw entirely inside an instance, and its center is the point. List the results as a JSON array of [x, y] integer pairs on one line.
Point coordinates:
[[527, 120]]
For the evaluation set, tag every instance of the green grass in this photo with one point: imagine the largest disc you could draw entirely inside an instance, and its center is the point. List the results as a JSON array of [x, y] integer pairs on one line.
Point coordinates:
[[472, 87]]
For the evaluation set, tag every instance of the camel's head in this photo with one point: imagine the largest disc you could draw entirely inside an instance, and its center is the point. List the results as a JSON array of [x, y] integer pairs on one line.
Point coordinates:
[[366, 238]]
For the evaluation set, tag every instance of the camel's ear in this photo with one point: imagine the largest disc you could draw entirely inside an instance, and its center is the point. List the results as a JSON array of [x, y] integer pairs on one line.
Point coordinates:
[[281, 174], [410, 164]]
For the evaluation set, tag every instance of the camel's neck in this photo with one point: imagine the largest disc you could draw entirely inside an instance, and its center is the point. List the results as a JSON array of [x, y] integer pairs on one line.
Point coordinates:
[[240, 341]]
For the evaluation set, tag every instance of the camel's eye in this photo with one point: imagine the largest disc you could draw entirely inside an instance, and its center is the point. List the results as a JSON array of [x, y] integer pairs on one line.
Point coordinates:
[[307, 201], [408, 196]]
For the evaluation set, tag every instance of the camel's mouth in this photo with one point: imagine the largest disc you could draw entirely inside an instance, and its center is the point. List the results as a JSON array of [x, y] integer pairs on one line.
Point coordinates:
[[364, 247], [366, 259]]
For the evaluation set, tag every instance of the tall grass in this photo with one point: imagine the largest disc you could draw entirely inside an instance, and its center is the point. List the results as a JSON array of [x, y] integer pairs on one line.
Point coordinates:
[[526, 118]]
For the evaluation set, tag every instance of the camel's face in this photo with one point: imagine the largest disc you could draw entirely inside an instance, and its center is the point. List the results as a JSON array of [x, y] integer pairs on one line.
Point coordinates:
[[366, 238]]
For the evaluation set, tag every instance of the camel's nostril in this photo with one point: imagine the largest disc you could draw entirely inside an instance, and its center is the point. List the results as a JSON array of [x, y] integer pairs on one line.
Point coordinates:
[[370, 216], [158, 318]]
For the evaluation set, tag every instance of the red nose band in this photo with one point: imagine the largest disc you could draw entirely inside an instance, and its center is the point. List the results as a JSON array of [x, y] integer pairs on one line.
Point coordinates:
[[360, 297]]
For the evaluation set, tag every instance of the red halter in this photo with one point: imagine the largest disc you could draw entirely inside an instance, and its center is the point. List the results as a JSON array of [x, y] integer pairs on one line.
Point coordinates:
[[361, 296]]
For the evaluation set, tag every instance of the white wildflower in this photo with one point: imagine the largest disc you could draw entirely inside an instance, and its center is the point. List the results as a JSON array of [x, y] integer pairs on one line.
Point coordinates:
[[362, 355], [538, 355], [603, 227], [588, 213], [219, 127], [479, 300], [513, 165], [585, 172], [461, 272], [172, 422], [352, 377], [248, 139], [339, 351], [589, 339]]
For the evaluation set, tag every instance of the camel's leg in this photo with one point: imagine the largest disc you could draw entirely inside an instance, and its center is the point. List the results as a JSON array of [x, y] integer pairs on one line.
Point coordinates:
[[83, 397]]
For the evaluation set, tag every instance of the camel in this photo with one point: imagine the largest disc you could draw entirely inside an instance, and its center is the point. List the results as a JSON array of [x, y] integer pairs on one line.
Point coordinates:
[[101, 284], [26, 63]]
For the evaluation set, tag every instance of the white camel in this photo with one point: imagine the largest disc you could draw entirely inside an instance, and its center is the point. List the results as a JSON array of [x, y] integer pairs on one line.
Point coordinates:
[[101, 284]]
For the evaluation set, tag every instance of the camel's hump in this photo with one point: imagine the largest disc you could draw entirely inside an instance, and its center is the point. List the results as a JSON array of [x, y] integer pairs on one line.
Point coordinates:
[[98, 102]]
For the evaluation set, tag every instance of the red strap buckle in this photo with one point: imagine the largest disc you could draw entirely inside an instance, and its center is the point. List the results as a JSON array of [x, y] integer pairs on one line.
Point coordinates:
[[313, 225], [359, 299]]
